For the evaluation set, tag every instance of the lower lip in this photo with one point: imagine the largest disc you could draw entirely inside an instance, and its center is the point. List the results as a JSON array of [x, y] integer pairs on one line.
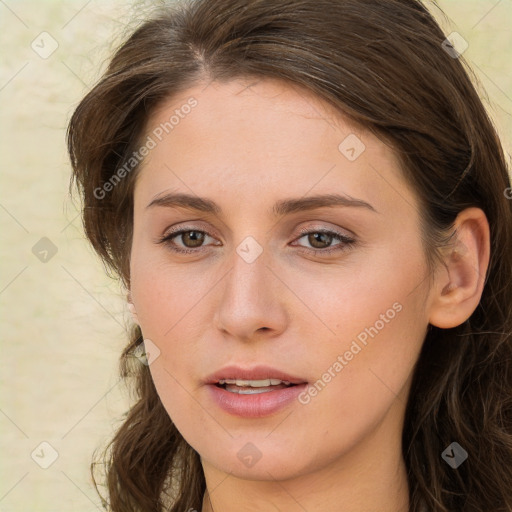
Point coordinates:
[[256, 405]]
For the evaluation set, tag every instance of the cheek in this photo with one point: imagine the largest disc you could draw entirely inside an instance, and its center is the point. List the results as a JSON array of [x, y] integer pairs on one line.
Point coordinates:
[[374, 323], [377, 292], [166, 295], [170, 302], [361, 383]]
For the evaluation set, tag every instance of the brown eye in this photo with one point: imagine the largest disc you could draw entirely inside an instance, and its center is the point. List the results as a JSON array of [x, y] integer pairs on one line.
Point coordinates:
[[192, 238], [321, 241], [185, 240]]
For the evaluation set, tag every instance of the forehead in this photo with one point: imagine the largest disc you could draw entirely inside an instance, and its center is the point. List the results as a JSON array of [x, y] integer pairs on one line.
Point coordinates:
[[248, 140]]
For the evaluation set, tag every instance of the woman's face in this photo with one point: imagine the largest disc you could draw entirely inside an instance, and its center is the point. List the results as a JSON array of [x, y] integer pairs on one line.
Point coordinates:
[[304, 256]]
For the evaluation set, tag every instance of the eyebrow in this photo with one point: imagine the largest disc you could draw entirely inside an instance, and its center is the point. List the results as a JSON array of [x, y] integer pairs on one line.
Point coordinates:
[[280, 208]]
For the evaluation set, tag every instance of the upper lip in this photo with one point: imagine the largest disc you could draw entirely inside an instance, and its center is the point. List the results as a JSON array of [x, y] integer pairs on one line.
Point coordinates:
[[254, 373]]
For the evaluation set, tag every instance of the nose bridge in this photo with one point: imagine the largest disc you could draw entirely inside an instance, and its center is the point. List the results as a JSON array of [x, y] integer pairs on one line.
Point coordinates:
[[248, 277], [249, 300]]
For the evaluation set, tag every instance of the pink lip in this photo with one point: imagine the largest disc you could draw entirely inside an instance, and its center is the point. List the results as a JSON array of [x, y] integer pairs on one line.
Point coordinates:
[[255, 405], [255, 373]]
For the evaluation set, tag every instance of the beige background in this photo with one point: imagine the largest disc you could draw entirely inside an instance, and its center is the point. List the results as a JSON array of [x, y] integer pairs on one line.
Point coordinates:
[[63, 320]]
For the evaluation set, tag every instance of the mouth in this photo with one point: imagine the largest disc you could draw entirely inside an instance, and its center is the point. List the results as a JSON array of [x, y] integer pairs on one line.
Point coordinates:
[[253, 392]]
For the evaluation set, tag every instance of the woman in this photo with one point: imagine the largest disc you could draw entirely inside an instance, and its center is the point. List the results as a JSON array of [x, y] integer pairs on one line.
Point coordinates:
[[307, 205]]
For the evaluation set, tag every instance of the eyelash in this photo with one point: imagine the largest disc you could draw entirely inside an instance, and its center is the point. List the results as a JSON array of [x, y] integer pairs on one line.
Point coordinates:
[[346, 244]]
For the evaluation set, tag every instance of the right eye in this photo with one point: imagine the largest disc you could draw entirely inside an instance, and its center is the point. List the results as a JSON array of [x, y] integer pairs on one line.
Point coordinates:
[[191, 240]]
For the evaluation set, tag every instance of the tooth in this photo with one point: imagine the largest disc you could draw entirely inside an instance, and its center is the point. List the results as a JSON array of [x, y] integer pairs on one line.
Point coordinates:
[[262, 383], [251, 391]]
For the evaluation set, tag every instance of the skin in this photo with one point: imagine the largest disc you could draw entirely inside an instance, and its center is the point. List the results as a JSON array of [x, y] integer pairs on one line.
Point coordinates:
[[246, 145]]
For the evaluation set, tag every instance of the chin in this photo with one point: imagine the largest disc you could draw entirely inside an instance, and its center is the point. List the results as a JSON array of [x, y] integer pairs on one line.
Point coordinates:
[[249, 462]]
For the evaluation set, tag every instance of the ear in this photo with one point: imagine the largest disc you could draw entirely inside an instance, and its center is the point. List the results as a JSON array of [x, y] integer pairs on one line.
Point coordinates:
[[460, 281], [131, 308]]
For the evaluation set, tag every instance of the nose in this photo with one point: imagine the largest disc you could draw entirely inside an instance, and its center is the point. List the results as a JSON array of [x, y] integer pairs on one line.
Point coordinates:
[[252, 300]]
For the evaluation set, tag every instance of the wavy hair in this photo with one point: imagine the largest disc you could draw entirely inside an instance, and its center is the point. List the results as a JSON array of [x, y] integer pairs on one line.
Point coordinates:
[[381, 63]]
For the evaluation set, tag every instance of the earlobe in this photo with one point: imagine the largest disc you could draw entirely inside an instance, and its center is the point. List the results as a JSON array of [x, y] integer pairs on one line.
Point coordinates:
[[460, 282]]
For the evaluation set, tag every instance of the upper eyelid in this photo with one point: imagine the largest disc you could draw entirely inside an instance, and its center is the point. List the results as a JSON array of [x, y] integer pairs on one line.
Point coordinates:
[[180, 230], [337, 230]]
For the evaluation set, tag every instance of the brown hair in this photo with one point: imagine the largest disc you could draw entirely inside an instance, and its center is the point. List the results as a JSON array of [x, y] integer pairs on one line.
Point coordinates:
[[382, 64]]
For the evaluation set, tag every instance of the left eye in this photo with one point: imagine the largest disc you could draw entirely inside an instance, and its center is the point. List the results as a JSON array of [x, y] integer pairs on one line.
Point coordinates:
[[321, 241]]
